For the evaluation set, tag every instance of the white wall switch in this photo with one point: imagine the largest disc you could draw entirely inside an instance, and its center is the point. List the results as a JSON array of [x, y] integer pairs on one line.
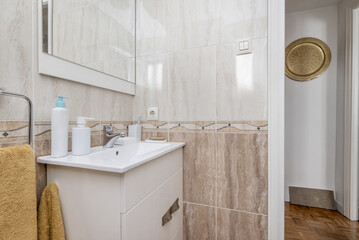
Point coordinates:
[[244, 47], [152, 113]]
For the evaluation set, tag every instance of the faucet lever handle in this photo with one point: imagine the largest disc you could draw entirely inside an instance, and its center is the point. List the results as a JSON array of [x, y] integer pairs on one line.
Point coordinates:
[[108, 129]]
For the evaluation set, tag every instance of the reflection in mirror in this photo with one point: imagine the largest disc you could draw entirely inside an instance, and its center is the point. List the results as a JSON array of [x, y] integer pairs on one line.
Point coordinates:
[[98, 34]]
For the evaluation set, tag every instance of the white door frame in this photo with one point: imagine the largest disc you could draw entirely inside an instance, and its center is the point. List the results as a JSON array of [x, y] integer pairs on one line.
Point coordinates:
[[276, 48], [352, 133]]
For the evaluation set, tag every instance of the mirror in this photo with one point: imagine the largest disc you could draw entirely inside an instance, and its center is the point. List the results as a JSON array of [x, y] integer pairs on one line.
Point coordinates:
[[96, 34]]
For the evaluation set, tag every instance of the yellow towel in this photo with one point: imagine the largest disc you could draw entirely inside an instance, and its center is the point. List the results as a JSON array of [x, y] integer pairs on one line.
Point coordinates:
[[50, 225], [17, 193]]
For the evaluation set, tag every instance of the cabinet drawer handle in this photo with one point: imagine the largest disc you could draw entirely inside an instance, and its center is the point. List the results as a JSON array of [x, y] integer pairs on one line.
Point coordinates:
[[175, 206], [166, 218], [168, 215]]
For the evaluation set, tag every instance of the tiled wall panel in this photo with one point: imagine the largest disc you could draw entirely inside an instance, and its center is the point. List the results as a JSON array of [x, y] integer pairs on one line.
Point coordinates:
[[214, 100]]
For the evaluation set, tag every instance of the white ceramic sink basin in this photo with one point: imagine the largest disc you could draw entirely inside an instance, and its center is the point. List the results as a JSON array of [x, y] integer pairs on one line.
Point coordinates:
[[117, 159]]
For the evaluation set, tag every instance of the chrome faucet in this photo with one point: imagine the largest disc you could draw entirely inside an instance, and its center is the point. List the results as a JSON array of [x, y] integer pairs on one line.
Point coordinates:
[[109, 138]]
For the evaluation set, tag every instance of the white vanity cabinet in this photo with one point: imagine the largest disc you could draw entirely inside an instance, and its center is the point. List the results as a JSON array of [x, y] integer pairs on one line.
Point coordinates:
[[105, 205]]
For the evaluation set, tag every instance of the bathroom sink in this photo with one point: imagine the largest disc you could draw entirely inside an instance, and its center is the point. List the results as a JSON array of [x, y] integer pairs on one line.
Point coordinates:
[[125, 192], [117, 159]]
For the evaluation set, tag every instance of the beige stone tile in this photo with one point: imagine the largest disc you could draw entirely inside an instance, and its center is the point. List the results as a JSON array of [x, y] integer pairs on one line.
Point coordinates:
[[240, 19], [9, 140], [10, 144], [42, 147], [199, 222], [16, 57], [242, 171], [191, 23], [41, 179], [241, 226], [241, 82], [116, 106], [96, 140], [199, 166], [12, 125], [84, 100], [152, 26], [147, 135], [192, 85], [42, 130], [151, 86]]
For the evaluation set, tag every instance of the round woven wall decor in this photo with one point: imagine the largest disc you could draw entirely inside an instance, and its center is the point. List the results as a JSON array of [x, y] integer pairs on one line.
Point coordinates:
[[306, 59]]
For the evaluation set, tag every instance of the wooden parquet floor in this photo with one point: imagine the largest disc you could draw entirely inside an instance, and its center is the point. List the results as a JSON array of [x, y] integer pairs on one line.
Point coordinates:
[[317, 224]]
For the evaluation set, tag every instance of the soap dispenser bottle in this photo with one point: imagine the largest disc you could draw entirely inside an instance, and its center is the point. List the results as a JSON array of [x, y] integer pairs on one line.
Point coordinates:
[[81, 137], [59, 129]]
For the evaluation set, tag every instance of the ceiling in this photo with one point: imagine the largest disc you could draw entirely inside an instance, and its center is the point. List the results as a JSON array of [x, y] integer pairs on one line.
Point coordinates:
[[301, 5]]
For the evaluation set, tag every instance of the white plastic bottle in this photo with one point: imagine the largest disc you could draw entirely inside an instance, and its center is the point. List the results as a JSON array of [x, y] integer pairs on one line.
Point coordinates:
[[59, 129], [81, 137]]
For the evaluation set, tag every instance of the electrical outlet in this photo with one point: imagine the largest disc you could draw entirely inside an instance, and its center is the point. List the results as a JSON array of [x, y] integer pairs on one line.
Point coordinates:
[[152, 113]]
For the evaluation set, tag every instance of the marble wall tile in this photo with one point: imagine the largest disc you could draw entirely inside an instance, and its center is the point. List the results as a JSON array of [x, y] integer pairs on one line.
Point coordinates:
[[199, 222], [41, 180], [241, 226], [242, 172], [240, 19], [147, 135], [84, 100], [192, 86], [211, 94], [16, 57], [116, 106], [199, 166], [152, 30], [41, 147], [242, 82], [151, 86], [191, 23]]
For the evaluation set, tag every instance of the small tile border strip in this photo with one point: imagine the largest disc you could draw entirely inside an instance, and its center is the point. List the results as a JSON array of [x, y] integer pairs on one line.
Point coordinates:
[[235, 126], [14, 131]]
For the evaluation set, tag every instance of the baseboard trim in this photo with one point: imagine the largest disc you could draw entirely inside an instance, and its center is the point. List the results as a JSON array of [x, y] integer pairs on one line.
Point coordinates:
[[340, 208], [312, 197]]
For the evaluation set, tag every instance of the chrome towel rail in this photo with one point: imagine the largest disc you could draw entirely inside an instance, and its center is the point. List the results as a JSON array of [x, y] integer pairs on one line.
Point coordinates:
[[4, 93]]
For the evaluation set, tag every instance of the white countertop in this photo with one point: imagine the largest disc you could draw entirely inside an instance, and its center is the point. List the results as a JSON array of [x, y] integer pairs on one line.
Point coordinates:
[[118, 159]]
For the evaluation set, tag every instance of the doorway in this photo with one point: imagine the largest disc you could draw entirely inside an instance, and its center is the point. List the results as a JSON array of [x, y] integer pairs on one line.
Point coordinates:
[[320, 168]]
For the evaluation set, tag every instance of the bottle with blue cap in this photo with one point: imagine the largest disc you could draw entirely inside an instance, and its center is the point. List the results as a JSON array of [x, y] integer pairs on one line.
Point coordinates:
[[59, 129]]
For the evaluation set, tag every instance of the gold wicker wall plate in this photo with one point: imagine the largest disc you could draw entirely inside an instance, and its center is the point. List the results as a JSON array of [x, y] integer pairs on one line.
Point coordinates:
[[306, 59]]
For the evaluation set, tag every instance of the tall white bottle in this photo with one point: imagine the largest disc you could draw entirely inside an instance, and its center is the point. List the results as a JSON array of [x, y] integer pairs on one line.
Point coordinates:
[[59, 129], [81, 137]]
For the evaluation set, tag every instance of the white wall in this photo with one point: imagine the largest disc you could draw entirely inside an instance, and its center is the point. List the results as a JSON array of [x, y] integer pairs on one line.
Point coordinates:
[[310, 111]]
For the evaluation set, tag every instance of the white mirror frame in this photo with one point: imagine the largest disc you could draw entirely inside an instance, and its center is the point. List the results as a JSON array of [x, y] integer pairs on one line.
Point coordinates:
[[60, 68]]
